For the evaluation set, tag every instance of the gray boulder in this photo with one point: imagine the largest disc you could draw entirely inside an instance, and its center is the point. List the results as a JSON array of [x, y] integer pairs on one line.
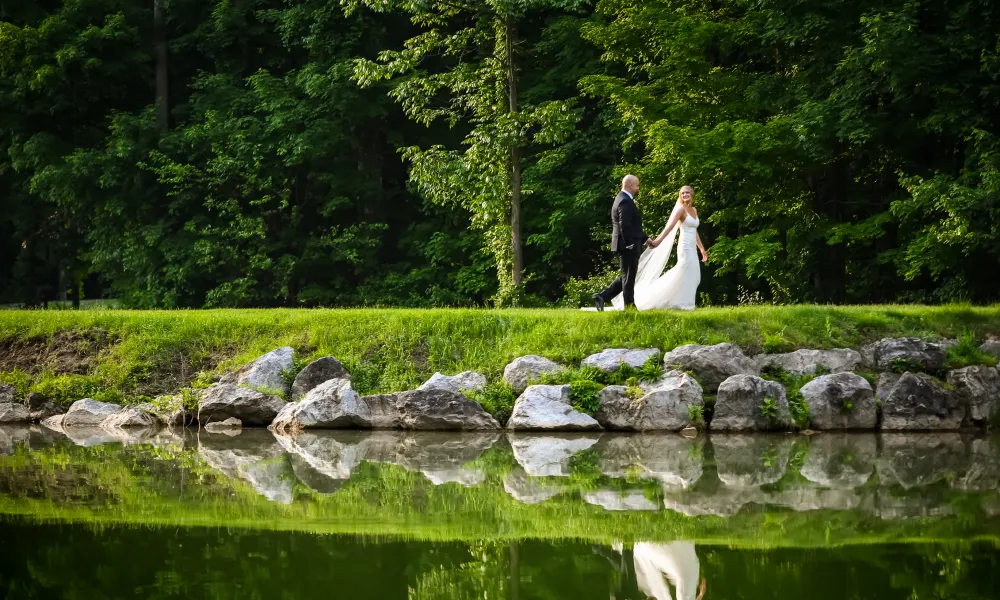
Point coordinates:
[[318, 371], [132, 416], [88, 413], [807, 362], [523, 370], [436, 410], [268, 371], [466, 380], [428, 410], [13, 412], [223, 400], [840, 401], [742, 402], [920, 459], [668, 407], [712, 364], [992, 347], [54, 423], [41, 408], [979, 387], [548, 408], [331, 405], [8, 394], [232, 424], [886, 381], [914, 353], [673, 460], [841, 461], [612, 359], [918, 402]]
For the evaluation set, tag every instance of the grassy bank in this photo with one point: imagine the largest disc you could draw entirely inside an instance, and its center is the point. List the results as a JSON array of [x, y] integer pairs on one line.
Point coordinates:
[[125, 355]]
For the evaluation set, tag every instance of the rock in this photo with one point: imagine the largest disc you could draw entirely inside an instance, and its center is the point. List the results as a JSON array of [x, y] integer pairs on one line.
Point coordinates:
[[331, 405], [547, 408], [132, 416], [529, 490], [841, 461], [612, 359], [12, 436], [443, 457], [223, 400], [522, 371], [8, 394], [318, 371], [886, 381], [747, 461], [618, 500], [87, 412], [689, 432], [979, 388], [41, 408], [549, 455], [913, 353], [982, 472], [268, 371], [432, 410], [229, 425], [712, 364], [741, 403], [992, 347], [13, 412], [840, 401], [428, 410], [324, 460], [667, 407], [466, 380], [807, 362], [918, 402], [674, 461]]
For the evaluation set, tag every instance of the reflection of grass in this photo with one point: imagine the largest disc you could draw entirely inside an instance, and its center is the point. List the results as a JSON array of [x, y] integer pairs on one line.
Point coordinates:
[[171, 486]]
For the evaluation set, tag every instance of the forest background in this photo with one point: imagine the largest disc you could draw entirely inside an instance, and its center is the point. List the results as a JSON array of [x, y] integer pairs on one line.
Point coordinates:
[[190, 153]]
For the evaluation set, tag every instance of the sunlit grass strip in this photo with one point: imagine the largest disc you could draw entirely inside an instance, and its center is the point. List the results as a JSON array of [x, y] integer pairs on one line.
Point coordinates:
[[397, 349]]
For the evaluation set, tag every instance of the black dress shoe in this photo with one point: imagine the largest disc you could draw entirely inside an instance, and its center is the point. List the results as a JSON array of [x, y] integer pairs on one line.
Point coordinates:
[[599, 302]]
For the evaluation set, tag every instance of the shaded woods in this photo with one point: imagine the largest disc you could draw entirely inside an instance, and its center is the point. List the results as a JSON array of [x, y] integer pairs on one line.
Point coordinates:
[[178, 153]]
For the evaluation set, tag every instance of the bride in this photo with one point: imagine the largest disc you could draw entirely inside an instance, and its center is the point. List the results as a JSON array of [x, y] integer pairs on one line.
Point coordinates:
[[678, 287]]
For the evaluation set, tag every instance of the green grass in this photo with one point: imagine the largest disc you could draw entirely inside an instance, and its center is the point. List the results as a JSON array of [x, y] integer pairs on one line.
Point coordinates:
[[145, 353]]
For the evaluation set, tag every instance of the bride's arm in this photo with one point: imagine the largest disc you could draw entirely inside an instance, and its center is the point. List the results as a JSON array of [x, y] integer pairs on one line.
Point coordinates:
[[674, 218], [704, 253]]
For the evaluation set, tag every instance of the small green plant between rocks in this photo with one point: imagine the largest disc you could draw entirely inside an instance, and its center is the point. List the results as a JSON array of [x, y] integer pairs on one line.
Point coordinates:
[[497, 398], [769, 409]]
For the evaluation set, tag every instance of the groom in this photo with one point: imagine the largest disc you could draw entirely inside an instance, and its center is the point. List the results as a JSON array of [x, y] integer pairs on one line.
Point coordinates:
[[627, 240]]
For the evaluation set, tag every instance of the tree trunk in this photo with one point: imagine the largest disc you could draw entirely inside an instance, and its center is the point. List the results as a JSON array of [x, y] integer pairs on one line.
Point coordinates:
[[515, 162], [160, 46]]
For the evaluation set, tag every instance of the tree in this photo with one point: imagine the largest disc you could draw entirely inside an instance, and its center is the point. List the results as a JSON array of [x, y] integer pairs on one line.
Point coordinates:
[[463, 68]]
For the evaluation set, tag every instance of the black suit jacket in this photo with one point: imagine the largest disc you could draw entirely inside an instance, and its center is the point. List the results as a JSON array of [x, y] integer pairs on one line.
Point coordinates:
[[626, 225]]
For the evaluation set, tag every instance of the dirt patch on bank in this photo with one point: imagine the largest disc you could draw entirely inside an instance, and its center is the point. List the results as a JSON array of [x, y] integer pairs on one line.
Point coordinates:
[[65, 353]]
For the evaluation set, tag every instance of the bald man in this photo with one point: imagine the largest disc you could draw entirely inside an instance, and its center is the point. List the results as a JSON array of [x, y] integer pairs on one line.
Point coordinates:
[[627, 240]]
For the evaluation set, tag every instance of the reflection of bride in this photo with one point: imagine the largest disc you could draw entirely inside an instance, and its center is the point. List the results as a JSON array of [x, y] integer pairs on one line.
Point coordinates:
[[677, 562], [678, 287]]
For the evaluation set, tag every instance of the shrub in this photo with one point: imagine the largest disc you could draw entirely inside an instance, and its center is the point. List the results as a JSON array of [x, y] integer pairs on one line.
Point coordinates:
[[497, 398], [769, 409], [967, 353], [585, 396]]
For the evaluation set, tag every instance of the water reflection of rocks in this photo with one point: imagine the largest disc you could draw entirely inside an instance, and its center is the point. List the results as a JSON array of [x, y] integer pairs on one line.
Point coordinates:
[[887, 475]]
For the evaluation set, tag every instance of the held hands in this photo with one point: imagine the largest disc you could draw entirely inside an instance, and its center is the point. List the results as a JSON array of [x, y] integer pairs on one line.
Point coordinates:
[[651, 243]]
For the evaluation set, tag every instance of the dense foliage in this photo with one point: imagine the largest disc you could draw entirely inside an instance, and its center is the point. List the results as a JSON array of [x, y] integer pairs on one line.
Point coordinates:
[[178, 153]]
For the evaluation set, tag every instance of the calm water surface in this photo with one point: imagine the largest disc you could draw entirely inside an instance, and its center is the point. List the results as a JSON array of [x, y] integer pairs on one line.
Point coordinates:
[[162, 514]]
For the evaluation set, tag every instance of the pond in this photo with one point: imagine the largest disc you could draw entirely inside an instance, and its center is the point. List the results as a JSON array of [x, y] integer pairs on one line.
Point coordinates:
[[188, 514]]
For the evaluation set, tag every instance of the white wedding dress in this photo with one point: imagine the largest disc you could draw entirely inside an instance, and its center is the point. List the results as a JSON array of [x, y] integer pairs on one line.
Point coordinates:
[[656, 564], [678, 287]]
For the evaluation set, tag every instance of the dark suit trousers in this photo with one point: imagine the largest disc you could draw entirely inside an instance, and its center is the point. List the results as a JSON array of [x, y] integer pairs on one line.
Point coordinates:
[[625, 284]]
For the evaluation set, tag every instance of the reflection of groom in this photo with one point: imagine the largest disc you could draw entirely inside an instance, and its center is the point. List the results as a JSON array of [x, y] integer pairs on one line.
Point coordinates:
[[627, 240]]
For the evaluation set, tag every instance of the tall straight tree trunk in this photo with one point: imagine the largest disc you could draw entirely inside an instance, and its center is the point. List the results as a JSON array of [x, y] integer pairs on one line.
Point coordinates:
[[162, 80], [515, 161]]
